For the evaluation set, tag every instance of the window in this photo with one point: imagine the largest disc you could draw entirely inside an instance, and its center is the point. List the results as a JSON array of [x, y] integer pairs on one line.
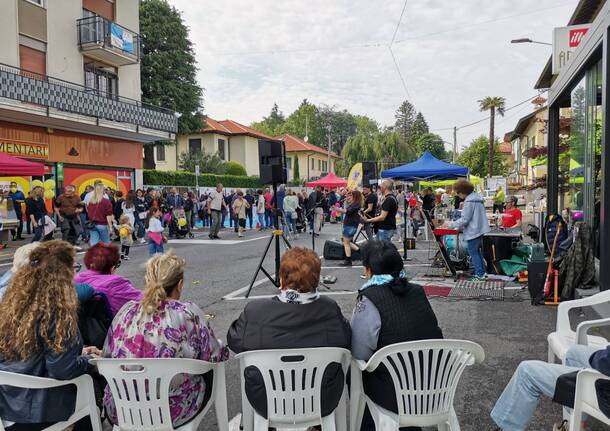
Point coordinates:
[[312, 163], [32, 60], [160, 153], [103, 80], [319, 165], [289, 162], [195, 145], [221, 148]]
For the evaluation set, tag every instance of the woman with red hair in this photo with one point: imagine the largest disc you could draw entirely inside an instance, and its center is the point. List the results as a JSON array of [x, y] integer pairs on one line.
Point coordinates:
[[101, 261]]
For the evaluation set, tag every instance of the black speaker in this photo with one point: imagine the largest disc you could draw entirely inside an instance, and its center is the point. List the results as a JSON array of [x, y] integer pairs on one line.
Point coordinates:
[[536, 276], [272, 161], [369, 173]]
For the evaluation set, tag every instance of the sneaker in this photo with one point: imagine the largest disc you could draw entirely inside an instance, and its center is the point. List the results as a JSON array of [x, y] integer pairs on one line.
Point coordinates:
[[346, 262], [216, 237], [142, 241], [126, 258], [362, 276], [122, 257], [478, 279]]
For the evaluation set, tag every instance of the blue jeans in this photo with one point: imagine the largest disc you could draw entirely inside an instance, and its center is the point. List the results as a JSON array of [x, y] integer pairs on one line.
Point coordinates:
[[154, 248], [268, 217], [261, 220], [515, 407], [385, 234], [474, 250], [83, 221], [140, 227], [99, 234], [291, 222]]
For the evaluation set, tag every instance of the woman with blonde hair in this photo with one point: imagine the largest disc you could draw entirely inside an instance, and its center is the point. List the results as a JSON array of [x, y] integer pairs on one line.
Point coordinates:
[[100, 213], [39, 337], [163, 326], [353, 205]]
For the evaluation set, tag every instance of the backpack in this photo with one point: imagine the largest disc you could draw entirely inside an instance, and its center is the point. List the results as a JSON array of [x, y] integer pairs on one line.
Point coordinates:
[[94, 320], [551, 228]]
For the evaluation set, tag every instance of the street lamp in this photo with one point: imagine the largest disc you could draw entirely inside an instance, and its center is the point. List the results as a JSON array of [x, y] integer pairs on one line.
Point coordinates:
[[528, 40]]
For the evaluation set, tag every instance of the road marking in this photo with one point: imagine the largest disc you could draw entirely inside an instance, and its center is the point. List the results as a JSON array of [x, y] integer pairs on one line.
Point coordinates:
[[214, 241], [242, 298], [235, 295], [244, 289], [342, 267]]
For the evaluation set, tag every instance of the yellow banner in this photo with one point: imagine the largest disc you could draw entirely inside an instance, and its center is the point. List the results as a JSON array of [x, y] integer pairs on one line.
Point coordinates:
[[354, 179], [30, 150]]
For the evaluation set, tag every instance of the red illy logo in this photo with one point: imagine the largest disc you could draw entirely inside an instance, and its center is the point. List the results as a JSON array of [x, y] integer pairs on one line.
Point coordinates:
[[576, 36]]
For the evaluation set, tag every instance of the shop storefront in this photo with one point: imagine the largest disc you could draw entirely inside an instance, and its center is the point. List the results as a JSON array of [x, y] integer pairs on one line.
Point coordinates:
[[579, 151], [70, 158]]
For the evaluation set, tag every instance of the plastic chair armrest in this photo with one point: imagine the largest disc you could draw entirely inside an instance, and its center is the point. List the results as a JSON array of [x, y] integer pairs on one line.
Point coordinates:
[[360, 364], [583, 328], [585, 386]]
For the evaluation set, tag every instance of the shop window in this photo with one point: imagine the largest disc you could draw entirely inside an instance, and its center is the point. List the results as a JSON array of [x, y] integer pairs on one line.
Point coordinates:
[[160, 153], [195, 145], [221, 148]]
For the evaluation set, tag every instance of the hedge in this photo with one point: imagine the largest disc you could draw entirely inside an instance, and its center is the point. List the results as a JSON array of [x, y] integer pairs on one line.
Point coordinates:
[[183, 178]]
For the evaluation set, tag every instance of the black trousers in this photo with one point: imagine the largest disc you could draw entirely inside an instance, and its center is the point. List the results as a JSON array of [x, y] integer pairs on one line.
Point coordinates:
[[249, 216]]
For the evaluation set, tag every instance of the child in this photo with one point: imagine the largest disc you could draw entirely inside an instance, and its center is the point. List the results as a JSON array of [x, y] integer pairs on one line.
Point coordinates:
[[155, 232], [125, 229], [240, 206]]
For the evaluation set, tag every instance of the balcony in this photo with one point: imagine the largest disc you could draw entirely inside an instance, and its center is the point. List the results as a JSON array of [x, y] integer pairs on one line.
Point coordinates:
[[72, 106], [107, 41]]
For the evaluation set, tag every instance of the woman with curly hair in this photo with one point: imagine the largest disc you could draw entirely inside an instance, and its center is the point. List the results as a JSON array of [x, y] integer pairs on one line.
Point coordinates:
[[39, 336], [162, 326]]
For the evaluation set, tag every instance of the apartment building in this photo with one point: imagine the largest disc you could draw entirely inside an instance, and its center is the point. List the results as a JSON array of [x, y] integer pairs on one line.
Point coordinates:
[[70, 91]]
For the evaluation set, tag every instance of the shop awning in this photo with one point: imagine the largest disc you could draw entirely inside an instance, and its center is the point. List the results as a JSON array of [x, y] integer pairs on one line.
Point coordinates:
[[427, 167], [13, 166], [330, 180]]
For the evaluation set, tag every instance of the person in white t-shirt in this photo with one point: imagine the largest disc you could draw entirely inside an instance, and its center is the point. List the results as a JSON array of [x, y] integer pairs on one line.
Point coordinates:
[[216, 203]]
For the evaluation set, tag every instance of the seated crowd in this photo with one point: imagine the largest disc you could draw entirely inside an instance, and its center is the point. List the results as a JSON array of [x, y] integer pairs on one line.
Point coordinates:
[[42, 304]]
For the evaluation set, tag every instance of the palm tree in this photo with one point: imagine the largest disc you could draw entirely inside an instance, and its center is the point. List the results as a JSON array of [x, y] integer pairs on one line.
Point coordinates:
[[492, 104]]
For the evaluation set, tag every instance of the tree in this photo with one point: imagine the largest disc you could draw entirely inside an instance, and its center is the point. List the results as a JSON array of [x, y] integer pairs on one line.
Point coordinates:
[[271, 125], [405, 117], [168, 68], [420, 126], [475, 157], [365, 125], [391, 150], [305, 121], [432, 143], [208, 163], [342, 125], [296, 175], [234, 168], [492, 104]]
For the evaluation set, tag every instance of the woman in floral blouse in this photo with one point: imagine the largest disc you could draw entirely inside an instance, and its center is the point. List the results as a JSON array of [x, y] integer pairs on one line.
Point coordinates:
[[162, 326]]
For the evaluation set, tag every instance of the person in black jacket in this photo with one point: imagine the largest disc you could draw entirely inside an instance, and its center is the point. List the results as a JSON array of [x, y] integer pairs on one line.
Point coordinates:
[[388, 310], [298, 317], [41, 338]]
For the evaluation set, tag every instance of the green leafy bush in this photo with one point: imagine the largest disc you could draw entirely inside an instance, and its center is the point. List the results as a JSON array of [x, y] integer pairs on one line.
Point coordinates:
[[234, 168], [183, 178]]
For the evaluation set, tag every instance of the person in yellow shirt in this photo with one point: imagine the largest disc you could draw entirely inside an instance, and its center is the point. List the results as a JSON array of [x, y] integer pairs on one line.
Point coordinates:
[[499, 198]]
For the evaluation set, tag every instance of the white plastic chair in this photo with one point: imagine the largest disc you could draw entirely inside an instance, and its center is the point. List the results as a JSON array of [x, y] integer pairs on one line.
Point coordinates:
[[564, 337], [293, 383], [85, 396], [585, 401], [425, 375], [140, 389]]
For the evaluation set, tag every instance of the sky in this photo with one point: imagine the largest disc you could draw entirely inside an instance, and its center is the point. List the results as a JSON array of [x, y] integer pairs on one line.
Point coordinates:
[[450, 53]]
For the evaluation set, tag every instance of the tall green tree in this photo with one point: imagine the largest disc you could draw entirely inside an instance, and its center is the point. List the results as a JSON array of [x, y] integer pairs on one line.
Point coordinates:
[[342, 125], [432, 143], [305, 121], [405, 118], [420, 126], [365, 125], [475, 158], [168, 68], [493, 104], [272, 124], [297, 172], [391, 150]]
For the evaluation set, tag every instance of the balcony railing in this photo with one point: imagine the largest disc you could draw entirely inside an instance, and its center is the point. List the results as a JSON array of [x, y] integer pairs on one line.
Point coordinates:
[[108, 41], [29, 87]]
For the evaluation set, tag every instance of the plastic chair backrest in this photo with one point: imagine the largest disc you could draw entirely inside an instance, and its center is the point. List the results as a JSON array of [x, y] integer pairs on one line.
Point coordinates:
[[29, 382], [425, 373], [293, 379], [140, 388]]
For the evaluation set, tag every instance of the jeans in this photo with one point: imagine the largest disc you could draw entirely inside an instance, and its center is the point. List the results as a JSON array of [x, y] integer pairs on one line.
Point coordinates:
[[268, 218], [83, 222], [140, 228], [516, 405], [385, 234], [216, 219], [261, 220], [318, 218], [154, 248], [291, 222], [17, 232], [99, 233], [474, 250], [70, 229], [249, 216]]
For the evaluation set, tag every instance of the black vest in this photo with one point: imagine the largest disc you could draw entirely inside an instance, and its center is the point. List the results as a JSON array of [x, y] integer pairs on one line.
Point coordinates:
[[405, 317]]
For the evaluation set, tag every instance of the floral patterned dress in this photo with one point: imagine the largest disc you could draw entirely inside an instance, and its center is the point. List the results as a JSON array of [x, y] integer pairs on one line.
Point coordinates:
[[177, 330]]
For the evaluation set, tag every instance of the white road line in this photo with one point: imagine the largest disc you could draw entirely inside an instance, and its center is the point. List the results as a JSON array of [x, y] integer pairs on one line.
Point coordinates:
[[342, 267], [6, 264], [244, 289], [214, 241], [242, 298]]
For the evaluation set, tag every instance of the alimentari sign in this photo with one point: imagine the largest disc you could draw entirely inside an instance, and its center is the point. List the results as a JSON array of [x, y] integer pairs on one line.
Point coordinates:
[[565, 42], [31, 150]]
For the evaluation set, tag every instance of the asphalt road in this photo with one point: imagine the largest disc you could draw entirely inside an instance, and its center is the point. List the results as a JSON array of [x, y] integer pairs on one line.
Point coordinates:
[[509, 331]]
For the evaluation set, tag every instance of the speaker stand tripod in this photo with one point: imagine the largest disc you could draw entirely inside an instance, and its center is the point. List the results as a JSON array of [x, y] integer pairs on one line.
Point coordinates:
[[276, 234]]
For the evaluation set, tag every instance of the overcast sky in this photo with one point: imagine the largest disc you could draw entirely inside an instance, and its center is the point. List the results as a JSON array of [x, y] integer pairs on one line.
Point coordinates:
[[451, 53]]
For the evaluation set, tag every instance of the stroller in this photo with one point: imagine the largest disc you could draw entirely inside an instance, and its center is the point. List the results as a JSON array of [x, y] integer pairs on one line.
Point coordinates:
[[178, 225], [301, 220]]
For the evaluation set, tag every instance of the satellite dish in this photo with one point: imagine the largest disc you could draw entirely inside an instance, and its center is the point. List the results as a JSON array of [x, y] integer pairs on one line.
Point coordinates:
[[306, 138]]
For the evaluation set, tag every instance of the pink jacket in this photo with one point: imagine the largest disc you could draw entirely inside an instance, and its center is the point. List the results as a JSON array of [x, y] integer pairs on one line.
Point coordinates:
[[117, 289]]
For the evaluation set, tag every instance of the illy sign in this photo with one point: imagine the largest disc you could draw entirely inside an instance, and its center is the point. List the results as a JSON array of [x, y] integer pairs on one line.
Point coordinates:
[[565, 42]]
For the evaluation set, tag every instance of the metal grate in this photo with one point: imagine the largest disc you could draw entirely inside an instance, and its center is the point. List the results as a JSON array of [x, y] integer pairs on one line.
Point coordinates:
[[478, 289]]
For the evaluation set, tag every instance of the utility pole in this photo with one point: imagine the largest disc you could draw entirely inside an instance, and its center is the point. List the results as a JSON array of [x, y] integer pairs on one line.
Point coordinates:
[[329, 145], [454, 143]]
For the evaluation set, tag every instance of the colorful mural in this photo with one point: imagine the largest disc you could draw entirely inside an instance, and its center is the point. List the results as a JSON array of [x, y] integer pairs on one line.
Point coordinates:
[[83, 177]]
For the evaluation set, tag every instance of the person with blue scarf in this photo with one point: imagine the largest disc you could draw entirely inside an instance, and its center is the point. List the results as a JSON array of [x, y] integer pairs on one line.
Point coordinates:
[[389, 310]]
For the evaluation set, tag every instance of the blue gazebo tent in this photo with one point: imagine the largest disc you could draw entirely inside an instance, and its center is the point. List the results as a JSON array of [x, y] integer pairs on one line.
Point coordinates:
[[427, 167]]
